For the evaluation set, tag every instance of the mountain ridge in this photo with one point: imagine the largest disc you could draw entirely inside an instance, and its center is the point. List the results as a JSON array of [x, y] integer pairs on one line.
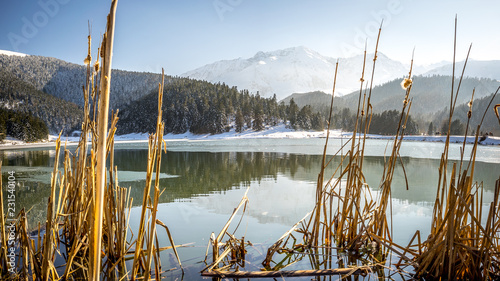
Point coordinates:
[[295, 69], [301, 70]]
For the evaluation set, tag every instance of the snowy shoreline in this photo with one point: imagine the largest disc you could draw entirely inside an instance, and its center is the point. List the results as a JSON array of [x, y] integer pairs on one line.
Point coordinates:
[[278, 132]]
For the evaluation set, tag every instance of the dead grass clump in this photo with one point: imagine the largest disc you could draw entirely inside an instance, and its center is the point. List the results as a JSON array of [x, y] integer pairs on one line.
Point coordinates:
[[459, 246], [86, 232]]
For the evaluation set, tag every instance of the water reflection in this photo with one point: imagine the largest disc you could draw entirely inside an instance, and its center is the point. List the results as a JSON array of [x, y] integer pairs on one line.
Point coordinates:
[[186, 175], [203, 185]]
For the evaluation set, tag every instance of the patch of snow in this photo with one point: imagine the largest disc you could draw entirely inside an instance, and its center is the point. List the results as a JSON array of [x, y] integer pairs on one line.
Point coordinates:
[[129, 176], [11, 53], [453, 139], [12, 105], [276, 132]]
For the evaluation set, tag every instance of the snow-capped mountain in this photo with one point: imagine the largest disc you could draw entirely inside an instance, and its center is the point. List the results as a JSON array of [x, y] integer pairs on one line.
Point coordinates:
[[296, 70], [11, 53], [475, 68]]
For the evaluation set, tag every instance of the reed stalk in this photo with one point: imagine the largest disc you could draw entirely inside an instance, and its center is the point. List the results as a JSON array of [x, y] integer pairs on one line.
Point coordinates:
[[497, 110], [98, 206], [233, 246]]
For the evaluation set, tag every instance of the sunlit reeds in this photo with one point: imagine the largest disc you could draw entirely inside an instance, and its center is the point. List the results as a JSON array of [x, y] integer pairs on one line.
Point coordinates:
[[459, 246], [101, 149], [86, 233], [230, 253]]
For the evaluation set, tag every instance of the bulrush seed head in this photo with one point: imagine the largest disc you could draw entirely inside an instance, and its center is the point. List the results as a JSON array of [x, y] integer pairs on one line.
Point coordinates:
[[406, 83]]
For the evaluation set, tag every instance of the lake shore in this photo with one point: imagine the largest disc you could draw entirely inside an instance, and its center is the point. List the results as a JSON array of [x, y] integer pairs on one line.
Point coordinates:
[[277, 132]]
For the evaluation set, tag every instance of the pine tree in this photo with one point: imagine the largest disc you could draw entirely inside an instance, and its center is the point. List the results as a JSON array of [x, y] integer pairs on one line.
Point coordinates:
[[304, 118], [430, 130], [239, 122], [258, 120], [457, 128], [293, 109], [317, 122]]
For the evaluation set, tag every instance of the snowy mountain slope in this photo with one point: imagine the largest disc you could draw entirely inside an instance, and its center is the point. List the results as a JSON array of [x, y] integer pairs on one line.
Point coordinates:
[[11, 53], [64, 80], [475, 68], [296, 70]]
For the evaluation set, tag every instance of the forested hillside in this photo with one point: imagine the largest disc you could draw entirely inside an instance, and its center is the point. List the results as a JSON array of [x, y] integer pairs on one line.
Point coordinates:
[[202, 107], [20, 96], [65, 80], [479, 106], [429, 94], [317, 100], [23, 126], [431, 101]]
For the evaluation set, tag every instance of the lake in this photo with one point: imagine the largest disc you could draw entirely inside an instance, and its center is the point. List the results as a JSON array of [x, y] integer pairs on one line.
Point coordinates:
[[204, 181]]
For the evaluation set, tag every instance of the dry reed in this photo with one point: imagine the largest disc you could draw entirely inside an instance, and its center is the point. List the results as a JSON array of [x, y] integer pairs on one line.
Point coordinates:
[[102, 128], [459, 246], [231, 253], [88, 239]]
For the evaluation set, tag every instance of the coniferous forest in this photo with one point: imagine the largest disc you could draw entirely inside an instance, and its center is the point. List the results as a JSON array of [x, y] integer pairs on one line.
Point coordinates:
[[23, 126], [25, 100], [201, 107]]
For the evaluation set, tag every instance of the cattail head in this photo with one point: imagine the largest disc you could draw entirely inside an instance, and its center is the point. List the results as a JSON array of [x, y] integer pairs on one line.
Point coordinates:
[[87, 60], [406, 83], [469, 113]]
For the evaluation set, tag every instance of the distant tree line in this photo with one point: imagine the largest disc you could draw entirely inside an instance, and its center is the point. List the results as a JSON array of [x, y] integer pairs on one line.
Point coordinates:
[[384, 123], [479, 110], [23, 126], [201, 107]]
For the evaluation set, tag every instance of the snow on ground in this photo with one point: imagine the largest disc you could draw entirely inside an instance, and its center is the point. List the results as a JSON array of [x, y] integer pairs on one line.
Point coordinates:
[[277, 132], [453, 139]]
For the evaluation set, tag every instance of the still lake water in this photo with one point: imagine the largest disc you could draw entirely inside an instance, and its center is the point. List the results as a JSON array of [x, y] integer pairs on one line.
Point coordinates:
[[205, 180]]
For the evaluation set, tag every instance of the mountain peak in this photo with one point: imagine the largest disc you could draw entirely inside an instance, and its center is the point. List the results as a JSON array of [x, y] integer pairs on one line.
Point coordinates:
[[294, 70], [288, 52]]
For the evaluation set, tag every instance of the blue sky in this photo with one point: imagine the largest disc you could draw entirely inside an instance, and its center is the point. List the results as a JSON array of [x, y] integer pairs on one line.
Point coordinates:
[[183, 35]]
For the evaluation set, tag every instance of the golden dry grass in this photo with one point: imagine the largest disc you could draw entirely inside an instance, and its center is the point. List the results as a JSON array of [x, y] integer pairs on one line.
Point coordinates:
[[91, 236]]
